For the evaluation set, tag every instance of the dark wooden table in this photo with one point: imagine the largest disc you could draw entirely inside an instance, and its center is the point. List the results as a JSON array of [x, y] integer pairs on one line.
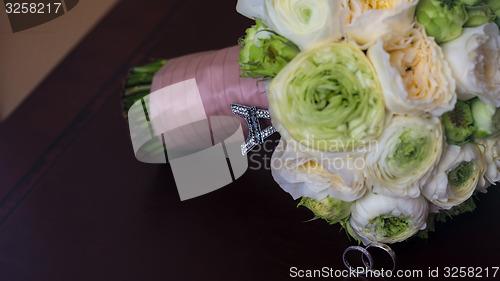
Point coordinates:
[[75, 204]]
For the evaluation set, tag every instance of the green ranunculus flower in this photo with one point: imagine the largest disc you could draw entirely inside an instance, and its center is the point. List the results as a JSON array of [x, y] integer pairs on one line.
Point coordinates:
[[405, 155], [458, 124], [443, 19], [479, 15], [329, 209], [328, 98], [264, 52]]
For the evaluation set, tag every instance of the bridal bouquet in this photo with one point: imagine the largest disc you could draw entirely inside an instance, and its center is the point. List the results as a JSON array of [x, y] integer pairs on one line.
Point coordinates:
[[387, 109]]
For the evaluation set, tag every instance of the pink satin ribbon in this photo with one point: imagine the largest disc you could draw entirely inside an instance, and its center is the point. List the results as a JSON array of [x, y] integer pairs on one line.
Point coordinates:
[[217, 75]]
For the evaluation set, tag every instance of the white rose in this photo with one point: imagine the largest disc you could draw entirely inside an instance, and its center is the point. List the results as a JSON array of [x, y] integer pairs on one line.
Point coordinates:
[[405, 157], [490, 149], [474, 58], [304, 22], [304, 176], [455, 178], [379, 218], [413, 73], [365, 20]]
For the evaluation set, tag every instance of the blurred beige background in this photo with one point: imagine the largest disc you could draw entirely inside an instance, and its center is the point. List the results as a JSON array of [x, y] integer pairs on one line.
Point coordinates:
[[28, 56]]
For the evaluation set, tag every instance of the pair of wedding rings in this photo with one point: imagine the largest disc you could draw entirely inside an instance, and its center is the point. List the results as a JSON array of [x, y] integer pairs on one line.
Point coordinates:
[[367, 258]]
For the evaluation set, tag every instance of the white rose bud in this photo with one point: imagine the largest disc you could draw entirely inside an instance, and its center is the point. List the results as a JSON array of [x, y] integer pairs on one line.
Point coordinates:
[[304, 176], [379, 218], [456, 176]]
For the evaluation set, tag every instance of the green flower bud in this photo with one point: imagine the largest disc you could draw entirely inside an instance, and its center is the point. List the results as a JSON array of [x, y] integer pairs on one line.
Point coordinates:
[[264, 52], [443, 19], [458, 124], [495, 7], [332, 210], [479, 15], [486, 118]]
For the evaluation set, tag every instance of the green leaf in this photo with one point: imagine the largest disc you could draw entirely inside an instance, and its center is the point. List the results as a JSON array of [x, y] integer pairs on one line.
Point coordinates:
[[329, 209], [443, 216]]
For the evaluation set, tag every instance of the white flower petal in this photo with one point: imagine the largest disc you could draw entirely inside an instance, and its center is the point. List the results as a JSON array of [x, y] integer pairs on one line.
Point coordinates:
[[371, 206], [365, 24], [254, 9], [304, 22], [302, 175], [413, 73], [405, 156], [490, 149], [439, 191], [474, 58]]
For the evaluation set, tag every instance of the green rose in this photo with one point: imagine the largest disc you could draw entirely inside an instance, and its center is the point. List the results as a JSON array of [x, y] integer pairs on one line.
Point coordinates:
[[328, 98]]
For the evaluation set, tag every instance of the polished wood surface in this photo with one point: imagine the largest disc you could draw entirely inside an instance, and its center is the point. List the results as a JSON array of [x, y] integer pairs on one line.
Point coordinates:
[[77, 205]]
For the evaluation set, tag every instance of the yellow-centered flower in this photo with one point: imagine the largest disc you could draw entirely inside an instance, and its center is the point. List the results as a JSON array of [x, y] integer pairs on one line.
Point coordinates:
[[304, 176], [316, 169], [366, 20], [414, 75], [380, 4]]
